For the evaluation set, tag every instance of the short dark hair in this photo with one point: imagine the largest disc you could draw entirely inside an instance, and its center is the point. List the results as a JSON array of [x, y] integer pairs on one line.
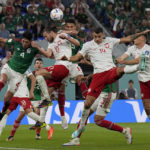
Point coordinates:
[[38, 59], [131, 81], [27, 35], [98, 30], [70, 21], [51, 28]]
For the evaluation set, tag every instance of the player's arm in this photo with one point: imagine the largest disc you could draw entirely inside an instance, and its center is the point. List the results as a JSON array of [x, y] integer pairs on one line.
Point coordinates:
[[33, 82], [122, 58], [73, 32], [48, 53], [70, 39], [3, 40], [130, 38], [131, 62]]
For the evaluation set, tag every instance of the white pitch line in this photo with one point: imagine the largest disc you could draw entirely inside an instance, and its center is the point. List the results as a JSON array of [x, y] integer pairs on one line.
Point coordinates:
[[11, 148]]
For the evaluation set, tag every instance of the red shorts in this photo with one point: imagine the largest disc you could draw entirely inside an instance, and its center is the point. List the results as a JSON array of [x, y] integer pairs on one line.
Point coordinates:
[[58, 73], [145, 89], [23, 101], [100, 80]]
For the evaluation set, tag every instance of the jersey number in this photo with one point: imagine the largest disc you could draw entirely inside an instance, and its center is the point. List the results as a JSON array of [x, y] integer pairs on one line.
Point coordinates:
[[57, 49], [22, 55]]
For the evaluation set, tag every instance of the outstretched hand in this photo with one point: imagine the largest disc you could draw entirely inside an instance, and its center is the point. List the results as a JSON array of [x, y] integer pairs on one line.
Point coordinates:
[[34, 44]]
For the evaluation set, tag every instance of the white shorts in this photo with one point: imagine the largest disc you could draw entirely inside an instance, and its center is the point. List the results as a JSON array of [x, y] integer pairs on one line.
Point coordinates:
[[35, 104], [14, 78], [74, 71], [102, 103]]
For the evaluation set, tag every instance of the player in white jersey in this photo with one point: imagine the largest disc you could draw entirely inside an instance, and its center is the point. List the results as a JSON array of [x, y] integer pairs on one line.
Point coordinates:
[[21, 97], [141, 53], [59, 45], [100, 52]]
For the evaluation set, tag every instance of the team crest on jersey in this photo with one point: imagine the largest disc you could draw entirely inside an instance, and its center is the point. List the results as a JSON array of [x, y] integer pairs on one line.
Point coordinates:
[[106, 45], [18, 49], [28, 50]]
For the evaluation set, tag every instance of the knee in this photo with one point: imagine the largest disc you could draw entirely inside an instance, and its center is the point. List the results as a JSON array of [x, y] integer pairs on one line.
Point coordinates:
[[87, 105], [98, 119]]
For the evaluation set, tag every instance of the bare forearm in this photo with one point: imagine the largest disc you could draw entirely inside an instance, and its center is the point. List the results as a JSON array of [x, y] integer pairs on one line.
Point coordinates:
[[45, 53], [75, 58], [73, 41], [131, 62], [3, 40]]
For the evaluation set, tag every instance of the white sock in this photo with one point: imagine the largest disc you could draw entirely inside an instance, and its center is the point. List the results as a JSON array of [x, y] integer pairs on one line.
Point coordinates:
[[43, 86], [34, 116], [3, 123], [43, 114], [85, 114], [47, 127], [113, 97], [131, 68]]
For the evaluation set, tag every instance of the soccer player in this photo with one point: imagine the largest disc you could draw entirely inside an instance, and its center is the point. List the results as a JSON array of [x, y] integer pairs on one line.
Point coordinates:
[[59, 45], [21, 97], [14, 70], [100, 52], [38, 64], [141, 53]]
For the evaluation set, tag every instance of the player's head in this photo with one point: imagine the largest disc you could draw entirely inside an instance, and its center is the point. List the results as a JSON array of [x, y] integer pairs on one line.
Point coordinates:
[[131, 83], [140, 40], [49, 33], [26, 40], [70, 25], [38, 64], [98, 35]]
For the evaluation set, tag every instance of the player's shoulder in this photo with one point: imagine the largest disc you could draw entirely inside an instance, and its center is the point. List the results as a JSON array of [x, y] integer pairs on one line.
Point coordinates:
[[133, 47]]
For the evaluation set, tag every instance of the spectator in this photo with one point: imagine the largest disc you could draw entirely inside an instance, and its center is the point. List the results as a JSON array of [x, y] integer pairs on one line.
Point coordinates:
[[34, 6], [2, 51], [67, 13], [50, 3], [9, 9], [131, 92], [59, 5], [122, 95], [3, 32], [37, 29], [30, 18]]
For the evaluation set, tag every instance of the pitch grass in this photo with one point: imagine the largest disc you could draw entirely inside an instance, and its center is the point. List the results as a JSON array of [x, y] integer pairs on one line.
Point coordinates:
[[95, 138]]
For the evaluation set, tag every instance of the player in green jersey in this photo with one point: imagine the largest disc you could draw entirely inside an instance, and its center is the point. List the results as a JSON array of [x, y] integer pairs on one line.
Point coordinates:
[[13, 71], [35, 102]]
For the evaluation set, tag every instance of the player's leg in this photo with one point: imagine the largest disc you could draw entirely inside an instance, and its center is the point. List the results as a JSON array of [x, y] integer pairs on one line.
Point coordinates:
[[43, 86], [145, 94], [99, 120], [61, 103], [16, 124], [4, 120], [3, 80]]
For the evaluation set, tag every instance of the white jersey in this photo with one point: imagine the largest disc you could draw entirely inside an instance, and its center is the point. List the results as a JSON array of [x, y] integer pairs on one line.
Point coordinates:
[[100, 54], [61, 47], [143, 76], [23, 90]]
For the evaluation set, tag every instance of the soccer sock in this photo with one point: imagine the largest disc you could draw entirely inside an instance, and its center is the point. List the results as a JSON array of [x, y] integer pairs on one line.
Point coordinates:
[[34, 116], [43, 86], [109, 125], [38, 131], [79, 125], [43, 114], [85, 114], [131, 68], [1, 85], [83, 88], [61, 103], [15, 127], [3, 123]]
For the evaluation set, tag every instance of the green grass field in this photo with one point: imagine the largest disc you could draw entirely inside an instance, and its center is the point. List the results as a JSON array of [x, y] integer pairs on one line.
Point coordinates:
[[94, 138]]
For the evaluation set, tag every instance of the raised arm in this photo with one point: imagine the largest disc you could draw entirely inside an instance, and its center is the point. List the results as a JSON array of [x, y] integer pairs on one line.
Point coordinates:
[[130, 38], [70, 39], [48, 53], [131, 62], [122, 58]]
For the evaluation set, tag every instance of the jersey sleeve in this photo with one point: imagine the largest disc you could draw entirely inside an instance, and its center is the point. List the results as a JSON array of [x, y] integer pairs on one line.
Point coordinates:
[[115, 41], [28, 73], [84, 49]]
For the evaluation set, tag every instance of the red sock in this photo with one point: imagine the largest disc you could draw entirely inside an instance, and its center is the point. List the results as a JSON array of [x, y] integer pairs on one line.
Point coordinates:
[[15, 127], [109, 125], [83, 88], [61, 103], [38, 131], [1, 85]]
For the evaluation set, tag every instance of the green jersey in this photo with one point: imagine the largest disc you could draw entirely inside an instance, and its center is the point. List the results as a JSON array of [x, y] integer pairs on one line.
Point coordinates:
[[22, 58], [37, 90]]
